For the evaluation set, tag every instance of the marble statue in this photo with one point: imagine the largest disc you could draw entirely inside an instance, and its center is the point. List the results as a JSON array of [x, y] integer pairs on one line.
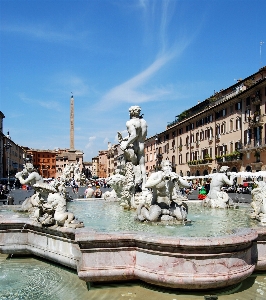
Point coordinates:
[[116, 182], [29, 176], [57, 204], [259, 202], [133, 148], [166, 204], [47, 206], [133, 144], [217, 198], [66, 174]]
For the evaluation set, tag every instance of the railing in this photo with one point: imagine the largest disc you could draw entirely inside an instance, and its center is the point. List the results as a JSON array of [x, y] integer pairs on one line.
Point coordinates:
[[253, 143], [255, 121]]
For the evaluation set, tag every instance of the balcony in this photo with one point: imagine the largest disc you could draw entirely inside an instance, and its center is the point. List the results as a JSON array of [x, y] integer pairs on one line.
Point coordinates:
[[256, 121], [256, 99], [194, 163], [232, 157]]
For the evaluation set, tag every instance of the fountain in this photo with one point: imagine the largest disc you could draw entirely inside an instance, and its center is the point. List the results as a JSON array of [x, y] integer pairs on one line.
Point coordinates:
[[114, 253], [47, 206]]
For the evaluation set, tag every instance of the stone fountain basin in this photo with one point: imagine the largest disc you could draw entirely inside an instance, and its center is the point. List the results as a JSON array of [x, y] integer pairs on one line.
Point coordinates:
[[187, 263]]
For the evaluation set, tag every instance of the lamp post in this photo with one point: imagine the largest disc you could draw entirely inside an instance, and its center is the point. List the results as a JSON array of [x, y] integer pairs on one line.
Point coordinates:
[[7, 147]]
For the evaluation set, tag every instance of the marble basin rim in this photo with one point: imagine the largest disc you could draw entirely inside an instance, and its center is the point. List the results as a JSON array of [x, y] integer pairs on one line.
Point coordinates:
[[176, 262]]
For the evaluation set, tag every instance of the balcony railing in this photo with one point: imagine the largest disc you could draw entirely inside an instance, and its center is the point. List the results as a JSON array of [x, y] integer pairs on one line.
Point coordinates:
[[256, 99], [253, 143], [255, 121]]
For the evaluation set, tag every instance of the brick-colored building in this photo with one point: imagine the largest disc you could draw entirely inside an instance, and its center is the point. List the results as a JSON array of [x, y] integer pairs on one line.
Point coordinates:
[[102, 168], [44, 161]]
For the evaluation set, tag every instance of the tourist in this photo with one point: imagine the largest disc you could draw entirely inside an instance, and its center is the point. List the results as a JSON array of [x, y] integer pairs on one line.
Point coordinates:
[[89, 191], [74, 186], [98, 193]]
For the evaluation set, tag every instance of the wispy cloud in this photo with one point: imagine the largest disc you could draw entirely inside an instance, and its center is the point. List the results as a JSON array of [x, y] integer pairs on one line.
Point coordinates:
[[132, 91], [91, 142], [53, 105], [42, 32]]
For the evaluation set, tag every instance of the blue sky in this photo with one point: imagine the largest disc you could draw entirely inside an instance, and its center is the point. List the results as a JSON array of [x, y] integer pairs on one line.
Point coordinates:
[[111, 54]]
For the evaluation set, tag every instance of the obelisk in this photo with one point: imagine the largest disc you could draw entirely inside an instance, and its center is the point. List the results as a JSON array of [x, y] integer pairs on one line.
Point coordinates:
[[72, 148]]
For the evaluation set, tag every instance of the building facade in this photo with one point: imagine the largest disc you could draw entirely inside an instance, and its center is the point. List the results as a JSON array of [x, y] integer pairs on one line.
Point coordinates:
[[226, 129], [13, 157], [65, 157], [95, 167], [102, 168], [2, 116], [44, 161]]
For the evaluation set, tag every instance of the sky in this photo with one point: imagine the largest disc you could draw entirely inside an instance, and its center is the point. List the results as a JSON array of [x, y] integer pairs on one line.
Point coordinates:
[[163, 55]]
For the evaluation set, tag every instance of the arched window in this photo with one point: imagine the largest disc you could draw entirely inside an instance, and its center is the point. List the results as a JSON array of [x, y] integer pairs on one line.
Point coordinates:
[[231, 125], [218, 129], [223, 128], [192, 138], [238, 123], [173, 161]]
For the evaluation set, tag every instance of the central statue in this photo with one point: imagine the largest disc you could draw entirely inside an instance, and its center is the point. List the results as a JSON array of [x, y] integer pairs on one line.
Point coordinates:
[[133, 147], [133, 144]]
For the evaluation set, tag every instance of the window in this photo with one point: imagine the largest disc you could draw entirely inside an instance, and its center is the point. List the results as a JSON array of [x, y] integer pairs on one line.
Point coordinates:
[[231, 147], [248, 101], [180, 159], [173, 160], [231, 125], [238, 123], [187, 157], [202, 135], [180, 131], [206, 134], [224, 112], [247, 114], [173, 144], [238, 105], [231, 109], [223, 128]]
